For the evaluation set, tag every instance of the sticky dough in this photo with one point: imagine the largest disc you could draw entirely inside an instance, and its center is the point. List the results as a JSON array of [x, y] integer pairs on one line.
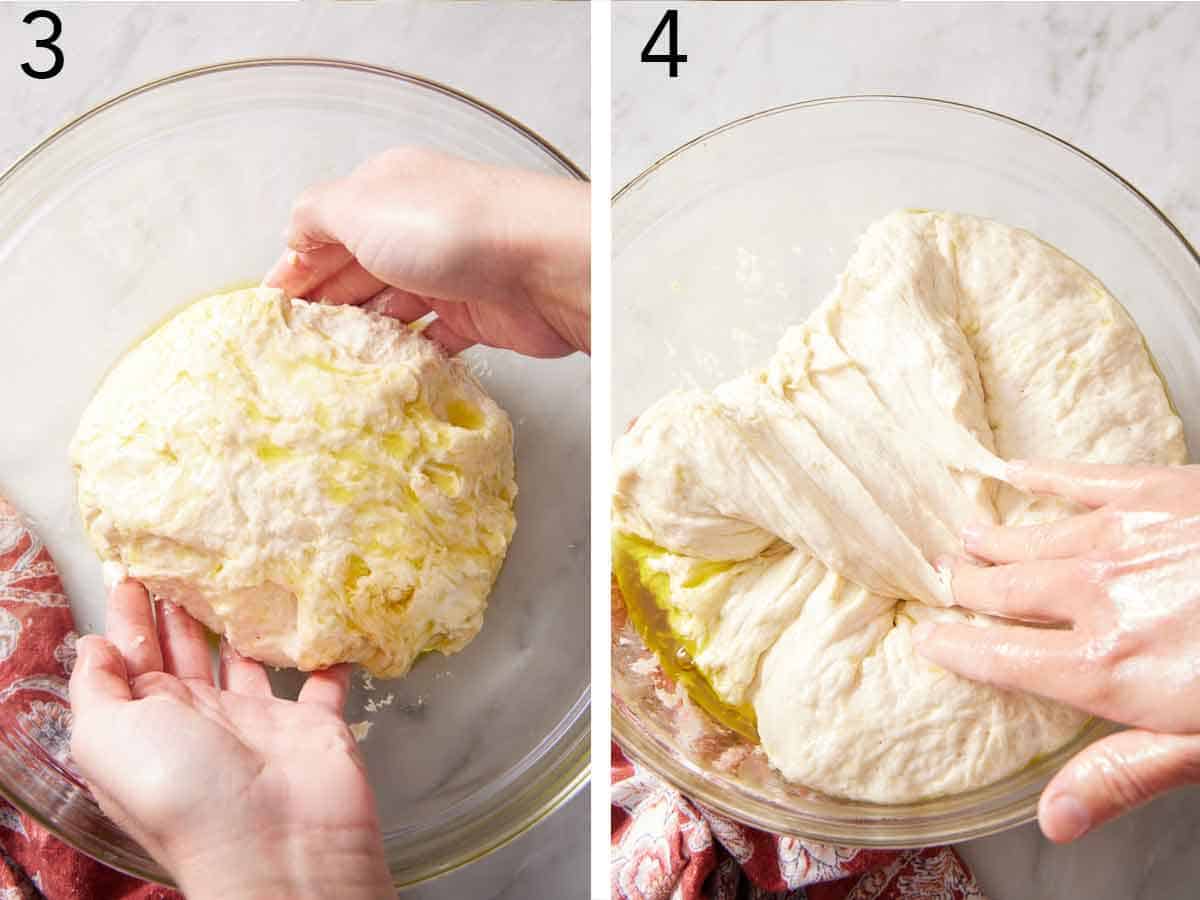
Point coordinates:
[[797, 508], [316, 483]]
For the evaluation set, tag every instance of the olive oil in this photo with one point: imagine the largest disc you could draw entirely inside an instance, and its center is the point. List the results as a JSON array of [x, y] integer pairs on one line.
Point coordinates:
[[647, 597]]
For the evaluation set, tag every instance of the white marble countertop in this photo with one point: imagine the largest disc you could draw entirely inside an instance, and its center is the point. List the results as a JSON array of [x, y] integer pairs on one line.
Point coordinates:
[[1121, 81], [530, 61]]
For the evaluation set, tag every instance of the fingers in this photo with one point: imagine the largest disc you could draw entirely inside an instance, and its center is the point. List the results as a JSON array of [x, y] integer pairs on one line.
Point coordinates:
[[99, 676], [444, 336], [1036, 591], [328, 274], [408, 307], [1115, 775], [184, 644], [1092, 484], [241, 675], [1022, 658], [130, 626], [352, 284], [1072, 536], [159, 684], [327, 687], [299, 271], [399, 304]]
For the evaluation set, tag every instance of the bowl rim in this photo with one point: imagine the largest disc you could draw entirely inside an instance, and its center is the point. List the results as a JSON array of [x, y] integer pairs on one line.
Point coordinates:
[[576, 753], [305, 62], [1003, 118], [643, 748]]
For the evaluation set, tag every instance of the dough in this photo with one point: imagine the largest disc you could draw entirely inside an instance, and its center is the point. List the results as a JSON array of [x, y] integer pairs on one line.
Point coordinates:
[[316, 483], [792, 515]]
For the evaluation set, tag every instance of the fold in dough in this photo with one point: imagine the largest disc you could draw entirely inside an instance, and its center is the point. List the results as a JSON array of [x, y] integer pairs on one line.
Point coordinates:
[[875, 433]]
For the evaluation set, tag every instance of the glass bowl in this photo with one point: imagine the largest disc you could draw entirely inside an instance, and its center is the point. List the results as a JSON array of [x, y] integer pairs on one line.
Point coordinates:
[[178, 189], [725, 242]]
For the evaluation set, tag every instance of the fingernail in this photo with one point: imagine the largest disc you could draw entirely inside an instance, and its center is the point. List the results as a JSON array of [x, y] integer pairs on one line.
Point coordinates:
[[1069, 816], [944, 564], [922, 633]]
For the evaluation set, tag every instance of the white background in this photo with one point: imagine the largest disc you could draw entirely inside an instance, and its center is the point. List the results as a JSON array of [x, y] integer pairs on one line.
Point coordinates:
[[531, 61], [1121, 81]]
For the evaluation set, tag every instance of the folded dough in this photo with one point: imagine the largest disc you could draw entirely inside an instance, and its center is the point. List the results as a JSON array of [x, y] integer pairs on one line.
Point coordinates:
[[824, 484]]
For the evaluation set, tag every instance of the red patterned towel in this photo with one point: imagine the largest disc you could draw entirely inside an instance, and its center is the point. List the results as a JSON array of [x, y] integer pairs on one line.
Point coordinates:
[[37, 650], [666, 847]]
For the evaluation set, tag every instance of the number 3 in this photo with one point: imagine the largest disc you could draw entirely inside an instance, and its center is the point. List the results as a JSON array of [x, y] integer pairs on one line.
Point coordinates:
[[46, 43]]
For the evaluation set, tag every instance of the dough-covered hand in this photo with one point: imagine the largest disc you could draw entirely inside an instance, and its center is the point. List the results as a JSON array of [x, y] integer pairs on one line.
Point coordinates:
[[1121, 581], [501, 255], [237, 793]]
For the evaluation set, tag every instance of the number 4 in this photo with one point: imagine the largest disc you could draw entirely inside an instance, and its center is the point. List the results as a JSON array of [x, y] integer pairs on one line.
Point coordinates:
[[670, 21]]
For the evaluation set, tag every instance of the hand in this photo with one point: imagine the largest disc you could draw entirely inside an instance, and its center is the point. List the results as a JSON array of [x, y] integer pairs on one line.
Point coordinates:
[[501, 255], [238, 794], [1122, 582]]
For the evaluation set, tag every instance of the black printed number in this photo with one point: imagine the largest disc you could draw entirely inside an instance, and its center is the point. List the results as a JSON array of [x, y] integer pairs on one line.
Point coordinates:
[[46, 43], [669, 23]]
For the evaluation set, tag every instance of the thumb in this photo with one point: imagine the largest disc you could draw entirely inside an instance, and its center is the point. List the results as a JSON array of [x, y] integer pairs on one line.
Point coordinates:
[[99, 681], [99, 676], [1113, 776]]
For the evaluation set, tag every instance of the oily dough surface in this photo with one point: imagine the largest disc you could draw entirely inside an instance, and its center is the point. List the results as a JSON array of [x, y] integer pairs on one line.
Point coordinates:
[[794, 511], [317, 483]]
